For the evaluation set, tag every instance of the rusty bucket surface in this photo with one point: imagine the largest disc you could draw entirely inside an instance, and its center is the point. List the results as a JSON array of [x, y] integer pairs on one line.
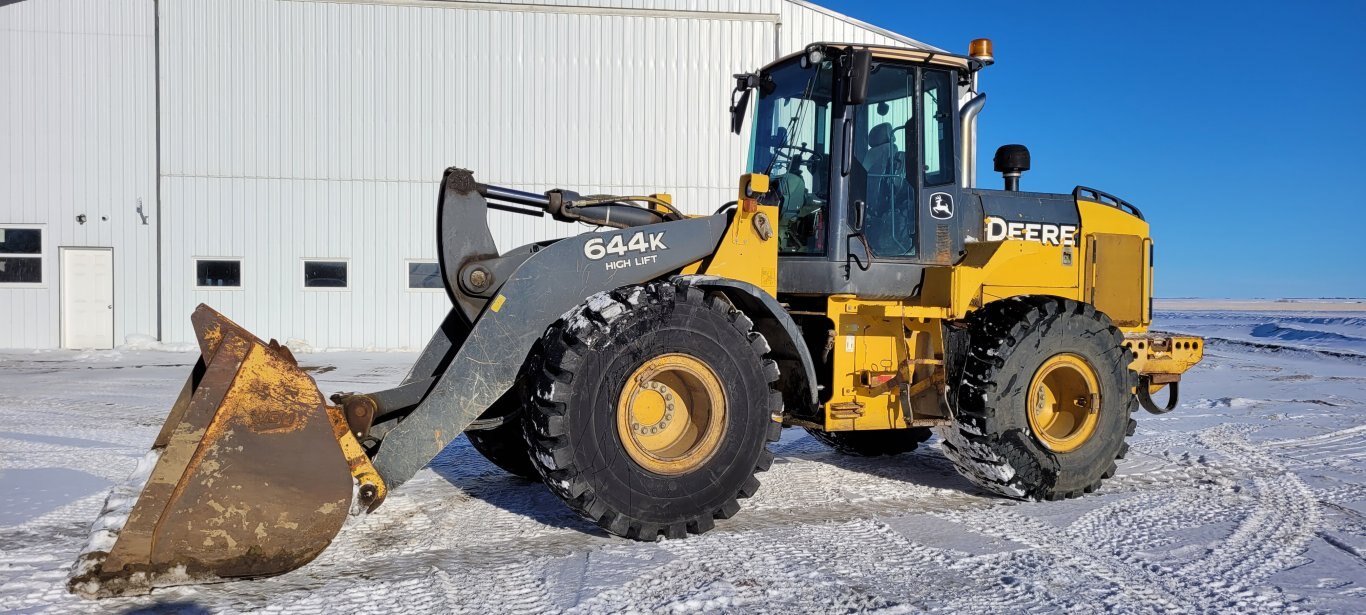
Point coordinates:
[[252, 475]]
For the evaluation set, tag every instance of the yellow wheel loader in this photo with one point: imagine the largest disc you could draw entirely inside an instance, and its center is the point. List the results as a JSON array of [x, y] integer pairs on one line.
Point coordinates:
[[860, 287]]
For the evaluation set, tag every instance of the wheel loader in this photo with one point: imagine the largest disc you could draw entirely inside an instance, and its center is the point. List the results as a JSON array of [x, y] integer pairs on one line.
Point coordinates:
[[859, 287]]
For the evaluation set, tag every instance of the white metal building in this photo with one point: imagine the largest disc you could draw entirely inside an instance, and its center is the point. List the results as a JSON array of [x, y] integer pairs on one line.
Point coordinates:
[[156, 154]]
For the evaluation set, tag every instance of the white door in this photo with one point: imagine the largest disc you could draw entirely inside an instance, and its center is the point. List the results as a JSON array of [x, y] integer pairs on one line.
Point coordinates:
[[87, 297]]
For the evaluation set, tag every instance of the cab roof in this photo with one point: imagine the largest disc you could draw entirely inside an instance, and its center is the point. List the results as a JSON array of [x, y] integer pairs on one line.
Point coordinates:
[[933, 57]]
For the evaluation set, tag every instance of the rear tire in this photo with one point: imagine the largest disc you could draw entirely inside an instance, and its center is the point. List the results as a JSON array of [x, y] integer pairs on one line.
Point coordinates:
[[877, 443], [598, 368], [1002, 443]]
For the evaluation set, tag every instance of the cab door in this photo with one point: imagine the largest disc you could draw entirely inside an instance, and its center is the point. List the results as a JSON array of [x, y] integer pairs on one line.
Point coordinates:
[[883, 182], [940, 201], [904, 181]]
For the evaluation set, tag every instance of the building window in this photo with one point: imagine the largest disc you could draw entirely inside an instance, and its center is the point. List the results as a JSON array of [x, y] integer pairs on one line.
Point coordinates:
[[21, 255], [424, 275], [325, 274], [218, 273]]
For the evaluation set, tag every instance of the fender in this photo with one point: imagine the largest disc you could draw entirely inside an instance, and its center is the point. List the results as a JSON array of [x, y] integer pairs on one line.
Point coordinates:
[[784, 337]]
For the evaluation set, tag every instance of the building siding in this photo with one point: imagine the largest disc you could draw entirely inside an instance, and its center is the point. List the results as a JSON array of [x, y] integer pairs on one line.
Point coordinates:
[[320, 129], [78, 137], [803, 24]]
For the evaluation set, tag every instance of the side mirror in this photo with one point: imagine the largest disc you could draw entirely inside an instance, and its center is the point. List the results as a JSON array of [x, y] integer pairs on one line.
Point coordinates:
[[860, 67], [739, 106]]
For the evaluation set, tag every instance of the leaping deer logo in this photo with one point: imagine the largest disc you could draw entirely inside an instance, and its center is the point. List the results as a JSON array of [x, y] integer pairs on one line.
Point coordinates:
[[941, 205]]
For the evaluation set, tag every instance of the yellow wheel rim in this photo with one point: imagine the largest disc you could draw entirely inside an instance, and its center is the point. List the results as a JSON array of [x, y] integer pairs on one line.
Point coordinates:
[[1064, 403], [672, 414]]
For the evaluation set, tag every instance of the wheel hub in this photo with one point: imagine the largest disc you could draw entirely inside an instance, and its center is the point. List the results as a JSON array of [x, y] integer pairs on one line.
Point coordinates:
[[653, 409], [671, 414], [1064, 402]]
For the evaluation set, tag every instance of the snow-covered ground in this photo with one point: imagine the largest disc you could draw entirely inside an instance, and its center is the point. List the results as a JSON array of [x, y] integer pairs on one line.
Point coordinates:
[[1250, 497]]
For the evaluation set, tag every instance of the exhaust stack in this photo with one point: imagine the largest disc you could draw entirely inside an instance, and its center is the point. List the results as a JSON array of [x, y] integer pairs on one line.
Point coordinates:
[[982, 56], [968, 120]]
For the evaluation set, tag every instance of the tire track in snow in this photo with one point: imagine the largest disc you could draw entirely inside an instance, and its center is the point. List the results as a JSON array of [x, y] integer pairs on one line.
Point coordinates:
[[780, 569], [1129, 585], [999, 587], [1279, 528], [826, 488], [1335, 448], [1350, 433], [855, 566], [1131, 529], [871, 555], [1107, 543], [1342, 494], [1145, 521], [851, 493], [432, 527], [521, 589]]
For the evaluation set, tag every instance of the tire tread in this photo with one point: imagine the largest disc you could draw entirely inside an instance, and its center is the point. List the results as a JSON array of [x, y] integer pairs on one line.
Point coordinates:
[[563, 344], [999, 462]]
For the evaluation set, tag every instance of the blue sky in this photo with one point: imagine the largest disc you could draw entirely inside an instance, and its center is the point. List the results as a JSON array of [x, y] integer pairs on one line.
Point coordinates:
[[1239, 128]]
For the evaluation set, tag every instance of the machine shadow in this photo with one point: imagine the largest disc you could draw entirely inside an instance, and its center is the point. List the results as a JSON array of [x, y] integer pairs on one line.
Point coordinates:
[[185, 607], [925, 467], [465, 469]]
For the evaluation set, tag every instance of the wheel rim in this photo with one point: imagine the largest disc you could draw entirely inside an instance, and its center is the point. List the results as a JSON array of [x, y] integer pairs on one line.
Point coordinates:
[[671, 414], [1064, 403]]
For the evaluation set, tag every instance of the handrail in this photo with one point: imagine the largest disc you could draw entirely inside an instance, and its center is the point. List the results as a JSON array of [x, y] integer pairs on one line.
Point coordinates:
[[1105, 198]]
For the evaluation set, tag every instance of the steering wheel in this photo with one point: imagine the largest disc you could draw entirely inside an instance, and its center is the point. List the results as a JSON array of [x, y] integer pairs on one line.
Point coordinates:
[[784, 154]]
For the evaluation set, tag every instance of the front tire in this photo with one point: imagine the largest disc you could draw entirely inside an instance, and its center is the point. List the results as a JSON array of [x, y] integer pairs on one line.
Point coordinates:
[[653, 407], [1043, 401]]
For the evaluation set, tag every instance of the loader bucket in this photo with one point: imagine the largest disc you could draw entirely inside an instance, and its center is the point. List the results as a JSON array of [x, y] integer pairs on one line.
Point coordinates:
[[252, 475]]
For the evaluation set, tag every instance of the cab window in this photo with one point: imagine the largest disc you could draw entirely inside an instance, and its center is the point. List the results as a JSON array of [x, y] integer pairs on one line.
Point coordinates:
[[791, 144], [885, 153], [938, 110]]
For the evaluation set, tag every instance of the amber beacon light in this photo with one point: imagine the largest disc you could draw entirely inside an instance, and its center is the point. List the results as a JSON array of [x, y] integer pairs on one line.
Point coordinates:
[[980, 50]]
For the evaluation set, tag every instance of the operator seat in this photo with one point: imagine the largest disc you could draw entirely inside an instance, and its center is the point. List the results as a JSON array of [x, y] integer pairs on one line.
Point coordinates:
[[885, 164], [882, 152], [881, 162]]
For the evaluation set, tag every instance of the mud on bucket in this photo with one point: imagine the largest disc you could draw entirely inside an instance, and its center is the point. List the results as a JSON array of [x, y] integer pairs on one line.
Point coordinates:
[[252, 475]]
